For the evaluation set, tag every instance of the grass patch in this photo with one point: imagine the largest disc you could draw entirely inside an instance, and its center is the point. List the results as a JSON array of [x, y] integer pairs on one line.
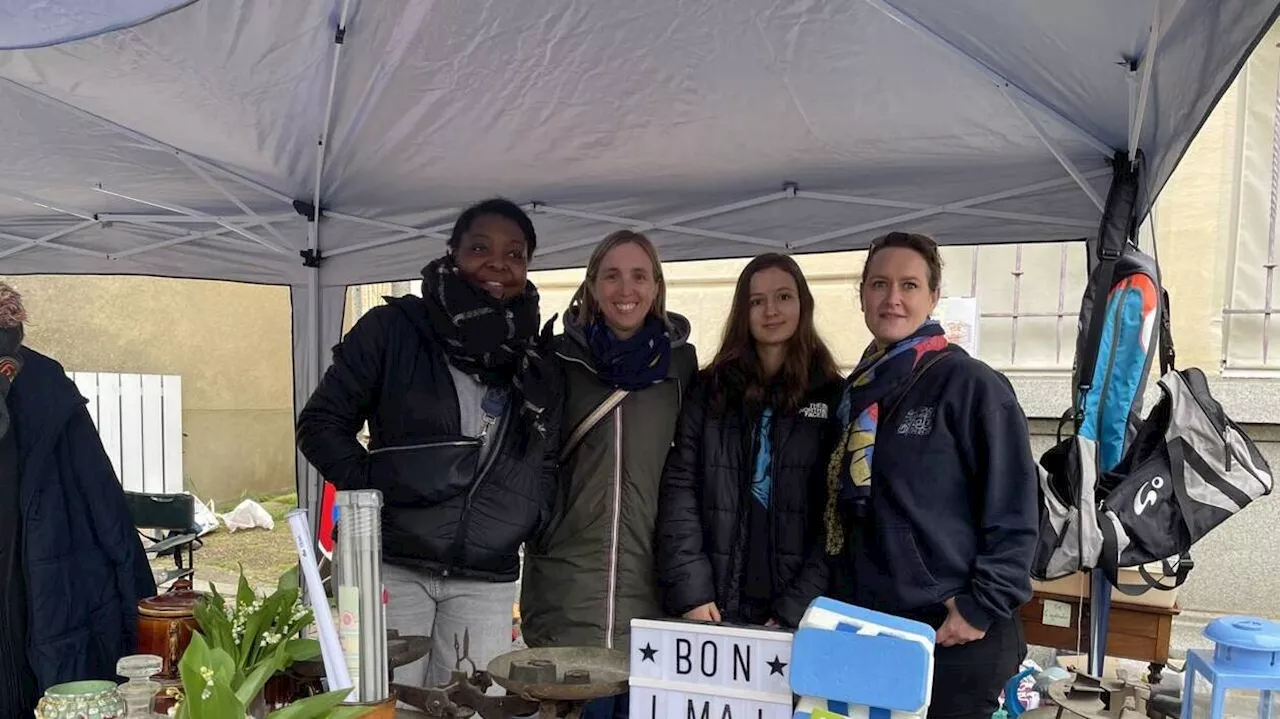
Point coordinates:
[[264, 554]]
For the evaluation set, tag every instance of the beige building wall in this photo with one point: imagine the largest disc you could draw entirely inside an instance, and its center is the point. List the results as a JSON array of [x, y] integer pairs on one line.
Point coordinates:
[[229, 342]]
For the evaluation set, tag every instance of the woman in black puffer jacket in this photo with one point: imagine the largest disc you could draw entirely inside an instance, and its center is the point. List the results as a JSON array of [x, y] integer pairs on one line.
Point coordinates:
[[740, 511]]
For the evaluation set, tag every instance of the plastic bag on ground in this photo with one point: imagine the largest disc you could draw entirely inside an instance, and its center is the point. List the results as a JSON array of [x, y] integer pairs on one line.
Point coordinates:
[[248, 515]]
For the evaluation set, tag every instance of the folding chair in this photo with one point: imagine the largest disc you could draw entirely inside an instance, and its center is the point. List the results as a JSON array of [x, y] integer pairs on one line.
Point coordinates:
[[174, 514]]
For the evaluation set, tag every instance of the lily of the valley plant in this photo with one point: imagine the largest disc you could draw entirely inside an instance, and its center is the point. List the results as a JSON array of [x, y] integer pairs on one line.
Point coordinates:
[[239, 648]]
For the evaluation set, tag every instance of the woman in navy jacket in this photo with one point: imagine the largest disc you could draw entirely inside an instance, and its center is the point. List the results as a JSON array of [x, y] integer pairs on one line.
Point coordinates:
[[932, 489]]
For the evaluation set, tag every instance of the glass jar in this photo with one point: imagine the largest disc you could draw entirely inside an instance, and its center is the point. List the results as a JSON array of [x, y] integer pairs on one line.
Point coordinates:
[[140, 691], [82, 700]]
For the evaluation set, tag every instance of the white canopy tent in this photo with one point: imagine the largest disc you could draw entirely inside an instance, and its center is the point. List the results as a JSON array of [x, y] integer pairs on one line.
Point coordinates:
[[193, 139]]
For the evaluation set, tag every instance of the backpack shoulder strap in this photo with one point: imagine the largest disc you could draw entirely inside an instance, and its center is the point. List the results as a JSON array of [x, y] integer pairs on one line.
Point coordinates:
[[590, 421]]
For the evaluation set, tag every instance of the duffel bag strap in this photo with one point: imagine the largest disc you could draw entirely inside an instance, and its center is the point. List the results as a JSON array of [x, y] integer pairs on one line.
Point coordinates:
[[1108, 562]]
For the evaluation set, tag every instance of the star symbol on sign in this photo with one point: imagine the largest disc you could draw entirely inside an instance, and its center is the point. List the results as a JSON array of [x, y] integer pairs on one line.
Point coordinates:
[[649, 652], [775, 666]]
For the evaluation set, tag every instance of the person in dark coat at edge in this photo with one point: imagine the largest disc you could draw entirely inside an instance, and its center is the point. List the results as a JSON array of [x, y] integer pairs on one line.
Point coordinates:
[[738, 534], [463, 412], [931, 512], [72, 567]]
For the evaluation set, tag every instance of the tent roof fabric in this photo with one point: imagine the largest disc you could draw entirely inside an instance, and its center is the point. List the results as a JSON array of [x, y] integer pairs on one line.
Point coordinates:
[[179, 146]]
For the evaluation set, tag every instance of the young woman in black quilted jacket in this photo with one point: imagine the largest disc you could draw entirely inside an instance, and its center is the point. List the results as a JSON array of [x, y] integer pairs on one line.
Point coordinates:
[[740, 512]]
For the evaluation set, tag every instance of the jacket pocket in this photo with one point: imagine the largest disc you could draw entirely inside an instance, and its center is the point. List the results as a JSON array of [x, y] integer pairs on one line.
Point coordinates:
[[912, 582], [426, 473]]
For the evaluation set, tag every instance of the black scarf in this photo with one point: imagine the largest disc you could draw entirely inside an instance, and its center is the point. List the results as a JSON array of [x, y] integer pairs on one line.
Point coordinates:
[[496, 340], [639, 361]]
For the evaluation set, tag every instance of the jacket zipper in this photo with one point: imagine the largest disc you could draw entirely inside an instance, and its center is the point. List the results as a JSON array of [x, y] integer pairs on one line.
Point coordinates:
[[772, 513], [426, 445], [482, 471], [611, 609]]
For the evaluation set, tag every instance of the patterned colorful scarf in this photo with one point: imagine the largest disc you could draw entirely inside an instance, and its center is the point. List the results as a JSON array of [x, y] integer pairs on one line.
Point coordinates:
[[876, 378]]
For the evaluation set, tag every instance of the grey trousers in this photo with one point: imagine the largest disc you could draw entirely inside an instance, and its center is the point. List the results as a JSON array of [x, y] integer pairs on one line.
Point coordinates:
[[421, 602]]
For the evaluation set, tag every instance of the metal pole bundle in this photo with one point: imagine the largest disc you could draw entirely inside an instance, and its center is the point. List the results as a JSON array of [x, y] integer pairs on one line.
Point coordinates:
[[358, 588]]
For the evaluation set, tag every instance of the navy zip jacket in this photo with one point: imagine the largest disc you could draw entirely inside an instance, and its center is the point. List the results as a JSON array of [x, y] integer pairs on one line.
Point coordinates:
[[954, 496], [85, 568]]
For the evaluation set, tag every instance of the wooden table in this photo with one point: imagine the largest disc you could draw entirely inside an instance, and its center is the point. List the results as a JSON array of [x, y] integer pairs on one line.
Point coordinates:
[[1134, 631]]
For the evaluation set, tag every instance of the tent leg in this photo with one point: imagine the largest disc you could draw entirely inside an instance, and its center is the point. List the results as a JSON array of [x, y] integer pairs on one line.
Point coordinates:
[[1099, 614], [317, 325]]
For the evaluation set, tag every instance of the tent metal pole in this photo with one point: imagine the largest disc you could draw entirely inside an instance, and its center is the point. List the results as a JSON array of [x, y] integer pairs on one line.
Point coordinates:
[[23, 197], [409, 230], [786, 194], [309, 496], [246, 220], [322, 142], [148, 142], [179, 240], [200, 171], [942, 209], [46, 240], [434, 231], [673, 224], [643, 226], [1062, 159], [179, 209], [972, 212], [1000, 81], [1148, 61]]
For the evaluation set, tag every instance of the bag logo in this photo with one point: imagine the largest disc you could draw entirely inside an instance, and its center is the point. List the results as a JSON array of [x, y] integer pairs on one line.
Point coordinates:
[[815, 410], [1147, 497]]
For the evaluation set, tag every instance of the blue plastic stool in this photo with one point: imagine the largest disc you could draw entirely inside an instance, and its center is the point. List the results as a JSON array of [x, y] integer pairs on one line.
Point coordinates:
[[1246, 655]]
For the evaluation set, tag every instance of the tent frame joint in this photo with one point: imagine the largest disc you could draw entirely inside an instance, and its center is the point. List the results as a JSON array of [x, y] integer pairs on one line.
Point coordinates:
[[312, 258], [306, 209]]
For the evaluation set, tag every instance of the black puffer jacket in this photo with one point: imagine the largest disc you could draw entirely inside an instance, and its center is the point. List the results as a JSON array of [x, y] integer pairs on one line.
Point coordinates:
[[445, 508], [706, 490]]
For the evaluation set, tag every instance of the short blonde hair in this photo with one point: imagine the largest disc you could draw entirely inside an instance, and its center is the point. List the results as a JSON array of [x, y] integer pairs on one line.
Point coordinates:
[[588, 308]]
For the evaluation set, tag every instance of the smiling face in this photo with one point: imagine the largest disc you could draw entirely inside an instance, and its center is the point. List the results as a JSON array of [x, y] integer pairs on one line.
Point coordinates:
[[774, 307], [896, 298], [624, 288], [493, 255]]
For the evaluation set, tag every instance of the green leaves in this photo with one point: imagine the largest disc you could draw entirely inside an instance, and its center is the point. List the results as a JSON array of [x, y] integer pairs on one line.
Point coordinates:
[[321, 706], [239, 648], [206, 681]]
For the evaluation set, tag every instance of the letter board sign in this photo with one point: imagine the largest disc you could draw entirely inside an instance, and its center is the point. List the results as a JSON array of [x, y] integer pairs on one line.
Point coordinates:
[[694, 670]]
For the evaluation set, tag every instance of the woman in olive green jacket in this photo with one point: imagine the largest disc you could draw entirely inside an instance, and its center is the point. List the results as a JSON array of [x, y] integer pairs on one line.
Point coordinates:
[[627, 363]]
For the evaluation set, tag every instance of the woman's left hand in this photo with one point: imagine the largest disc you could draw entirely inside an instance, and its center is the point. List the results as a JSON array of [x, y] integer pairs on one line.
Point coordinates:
[[955, 630]]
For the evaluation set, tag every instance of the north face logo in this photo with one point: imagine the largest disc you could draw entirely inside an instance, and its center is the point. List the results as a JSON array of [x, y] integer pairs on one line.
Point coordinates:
[[917, 422], [816, 410]]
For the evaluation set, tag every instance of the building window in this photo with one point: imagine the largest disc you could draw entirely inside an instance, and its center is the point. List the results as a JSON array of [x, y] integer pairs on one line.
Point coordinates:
[[1250, 337], [1028, 301]]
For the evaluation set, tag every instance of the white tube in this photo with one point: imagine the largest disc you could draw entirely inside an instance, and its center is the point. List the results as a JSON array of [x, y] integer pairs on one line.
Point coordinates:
[[335, 665]]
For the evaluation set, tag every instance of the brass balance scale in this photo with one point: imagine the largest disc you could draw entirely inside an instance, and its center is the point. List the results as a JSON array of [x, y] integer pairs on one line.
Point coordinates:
[[546, 682]]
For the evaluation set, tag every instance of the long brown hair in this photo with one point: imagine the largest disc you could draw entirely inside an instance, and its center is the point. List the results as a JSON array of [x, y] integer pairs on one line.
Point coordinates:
[[584, 302], [735, 374]]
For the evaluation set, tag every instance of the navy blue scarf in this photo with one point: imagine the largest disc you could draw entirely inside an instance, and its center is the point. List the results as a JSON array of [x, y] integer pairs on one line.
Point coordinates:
[[639, 361]]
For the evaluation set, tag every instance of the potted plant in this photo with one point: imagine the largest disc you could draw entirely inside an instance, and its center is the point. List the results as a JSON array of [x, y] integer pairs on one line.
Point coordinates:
[[241, 647]]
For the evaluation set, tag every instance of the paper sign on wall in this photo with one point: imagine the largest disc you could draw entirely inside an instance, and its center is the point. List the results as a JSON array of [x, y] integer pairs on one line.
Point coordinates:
[[959, 318], [694, 670]]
